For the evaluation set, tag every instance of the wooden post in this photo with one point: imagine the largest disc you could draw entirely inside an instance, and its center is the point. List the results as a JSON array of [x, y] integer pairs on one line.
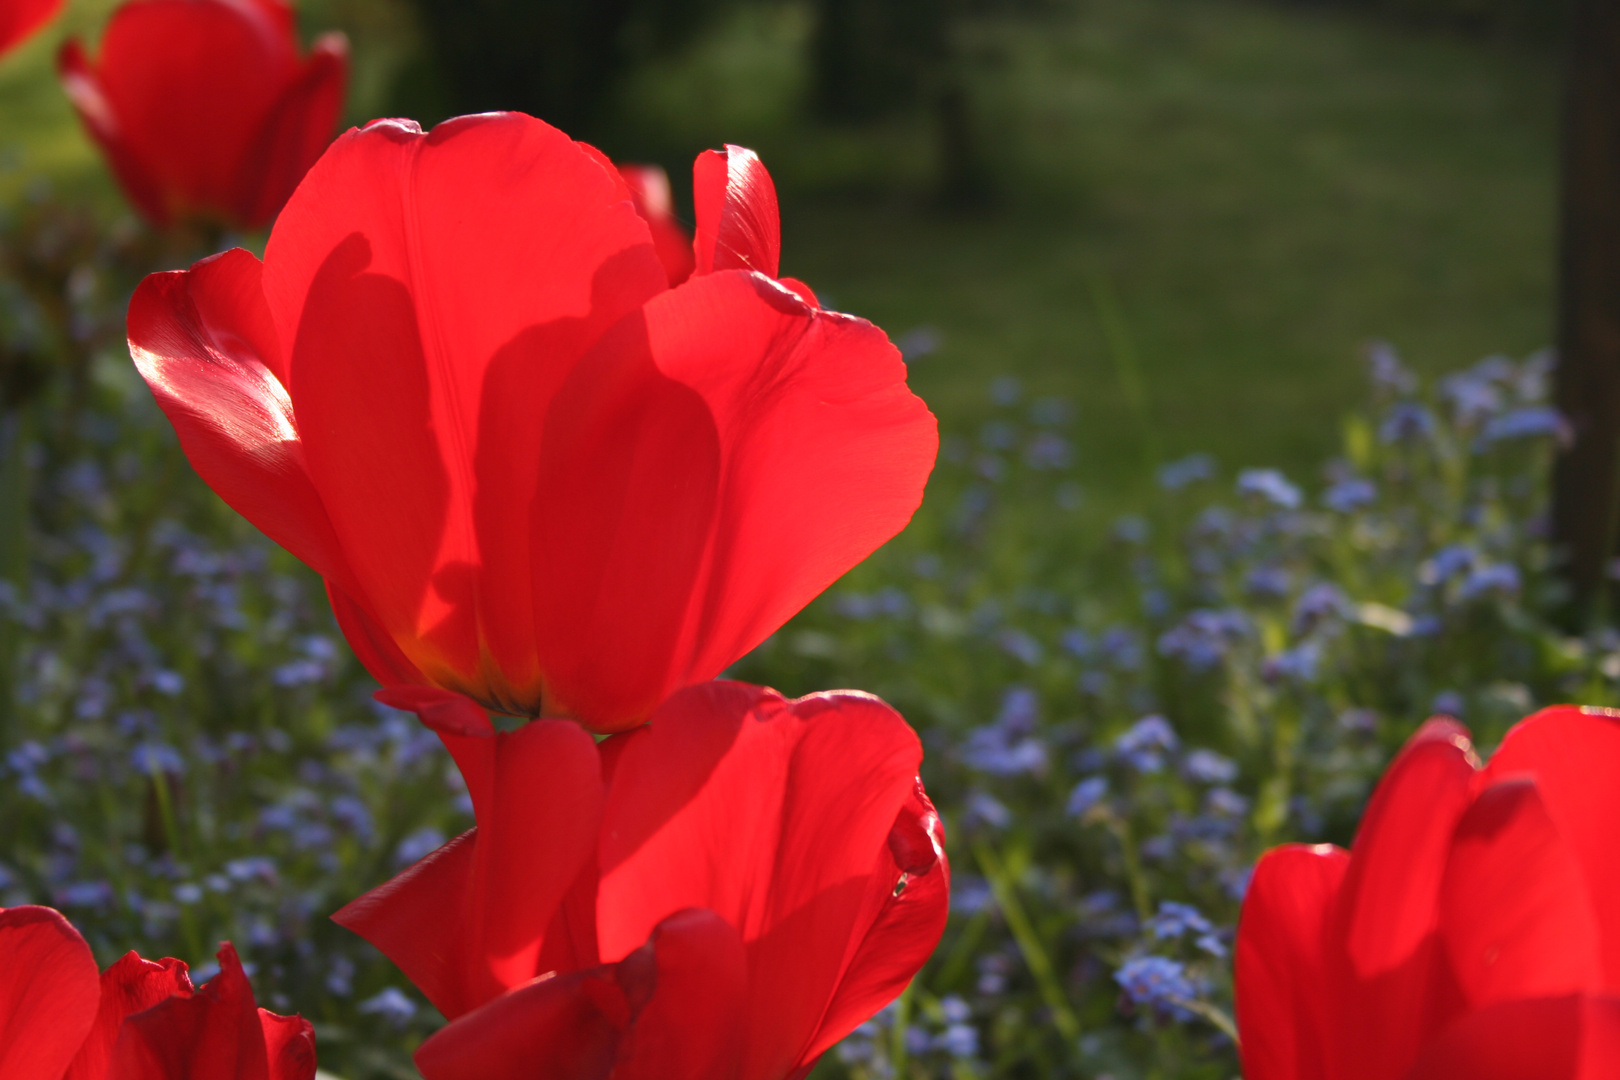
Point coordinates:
[[1586, 476]]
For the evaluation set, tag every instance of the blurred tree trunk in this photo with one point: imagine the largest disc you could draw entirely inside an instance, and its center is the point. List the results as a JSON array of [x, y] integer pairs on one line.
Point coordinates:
[[869, 58], [1586, 476]]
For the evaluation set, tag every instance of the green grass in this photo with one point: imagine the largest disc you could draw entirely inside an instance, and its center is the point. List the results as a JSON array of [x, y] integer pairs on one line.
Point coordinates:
[[1262, 189]]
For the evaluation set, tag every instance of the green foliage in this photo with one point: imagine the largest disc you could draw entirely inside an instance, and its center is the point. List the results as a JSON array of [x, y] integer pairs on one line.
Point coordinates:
[[555, 59], [1537, 20]]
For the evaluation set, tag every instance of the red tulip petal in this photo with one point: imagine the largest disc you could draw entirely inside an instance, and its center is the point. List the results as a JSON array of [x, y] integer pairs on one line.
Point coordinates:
[[559, 1027], [690, 1028], [738, 227], [84, 91], [188, 86], [470, 921], [289, 1046], [547, 807], [20, 18], [49, 987], [1568, 1038], [1515, 915], [129, 986], [1572, 752], [796, 286], [417, 918], [214, 1034], [1393, 974], [377, 652], [649, 191], [203, 341], [719, 460], [292, 135], [668, 1011], [1284, 1013], [909, 895], [1394, 883], [437, 289], [769, 813]]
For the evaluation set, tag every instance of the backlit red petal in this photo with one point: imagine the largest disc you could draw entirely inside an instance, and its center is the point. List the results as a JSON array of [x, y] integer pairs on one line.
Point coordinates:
[[20, 18], [695, 984], [908, 896], [670, 1010], [561, 1027], [771, 814], [204, 342], [436, 289], [289, 1046], [1391, 974], [129, 986], [1565, 1038], [49, 988], [1571, 752], [738, 227], [418, 920], [649, 190], [189, 85], [214, 1034], [720, 460], [1516, 917], [1393, 888], [294, 132], [1286, 1012], [470, 921]]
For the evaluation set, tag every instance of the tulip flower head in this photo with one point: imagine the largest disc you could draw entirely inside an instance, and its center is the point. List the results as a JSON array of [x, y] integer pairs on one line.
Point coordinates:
[[1473, 931], [460, 387], [722, 894], [205, 109], [19, 19], [138, 1020]]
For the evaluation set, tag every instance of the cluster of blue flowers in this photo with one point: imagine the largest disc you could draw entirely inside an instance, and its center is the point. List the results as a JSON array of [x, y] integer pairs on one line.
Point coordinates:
[[1229, 670], [189, 752]]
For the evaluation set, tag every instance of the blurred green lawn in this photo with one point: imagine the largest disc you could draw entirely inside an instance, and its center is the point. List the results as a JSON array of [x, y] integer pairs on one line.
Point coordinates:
[[1262, 188]]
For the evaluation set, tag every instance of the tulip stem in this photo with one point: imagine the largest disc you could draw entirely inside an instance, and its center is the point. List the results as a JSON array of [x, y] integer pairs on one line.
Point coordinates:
[[1035, 958]]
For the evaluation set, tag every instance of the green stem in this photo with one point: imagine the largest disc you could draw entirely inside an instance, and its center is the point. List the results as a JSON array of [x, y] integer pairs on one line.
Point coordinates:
[[1140, 899], [1216, 1016], [171, 830], [1023, 932], [1126, 367], [962, 952], [897, 1037]]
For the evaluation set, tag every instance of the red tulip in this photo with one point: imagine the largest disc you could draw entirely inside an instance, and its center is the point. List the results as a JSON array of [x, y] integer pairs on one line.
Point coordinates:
[[20, 18], [649, 193], [204, 108], [138, 1020], [724, 893], [1472, 932], [460, 388]]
